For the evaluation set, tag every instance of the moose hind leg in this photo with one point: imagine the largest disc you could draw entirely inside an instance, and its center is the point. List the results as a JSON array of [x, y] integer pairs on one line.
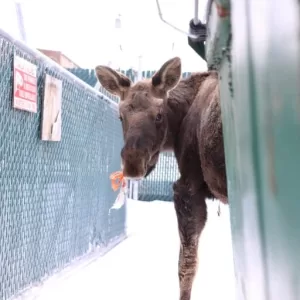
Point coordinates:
[[191, 214]]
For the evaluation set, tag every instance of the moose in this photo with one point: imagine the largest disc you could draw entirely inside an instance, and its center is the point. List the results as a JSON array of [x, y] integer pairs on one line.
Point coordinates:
[[167, 113]]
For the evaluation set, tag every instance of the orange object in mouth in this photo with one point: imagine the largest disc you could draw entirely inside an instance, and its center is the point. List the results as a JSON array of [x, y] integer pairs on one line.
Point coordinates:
[[117, 180]]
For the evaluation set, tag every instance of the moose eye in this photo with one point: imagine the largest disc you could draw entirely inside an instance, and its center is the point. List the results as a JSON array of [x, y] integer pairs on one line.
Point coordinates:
[[120, 118], [158, 118]]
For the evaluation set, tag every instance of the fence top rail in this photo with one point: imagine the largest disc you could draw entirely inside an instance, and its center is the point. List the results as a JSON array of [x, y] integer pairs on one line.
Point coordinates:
[[49, 62]]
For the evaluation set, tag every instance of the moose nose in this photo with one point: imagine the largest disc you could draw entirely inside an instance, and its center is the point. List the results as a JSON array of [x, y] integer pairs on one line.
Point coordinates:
[[135, 146], [134, 162], [133, 142], [134, 153]]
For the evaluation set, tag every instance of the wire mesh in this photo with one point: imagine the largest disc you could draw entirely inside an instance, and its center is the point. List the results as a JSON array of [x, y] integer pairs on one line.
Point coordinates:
[[55, 197], [159, 184]]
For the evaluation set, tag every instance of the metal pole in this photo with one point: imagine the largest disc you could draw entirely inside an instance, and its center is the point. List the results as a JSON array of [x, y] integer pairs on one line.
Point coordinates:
[[21, 23], [193, 36], [196, 13]]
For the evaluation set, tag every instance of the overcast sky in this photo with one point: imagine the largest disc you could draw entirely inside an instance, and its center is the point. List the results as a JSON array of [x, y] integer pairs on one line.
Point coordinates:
[[85, 31]]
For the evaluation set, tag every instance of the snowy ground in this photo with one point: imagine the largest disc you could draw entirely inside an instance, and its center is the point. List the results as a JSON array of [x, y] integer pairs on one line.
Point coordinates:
[[144, 266]]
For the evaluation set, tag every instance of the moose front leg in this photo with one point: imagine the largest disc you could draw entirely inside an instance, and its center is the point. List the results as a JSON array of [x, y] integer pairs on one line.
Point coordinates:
[[191, 217]]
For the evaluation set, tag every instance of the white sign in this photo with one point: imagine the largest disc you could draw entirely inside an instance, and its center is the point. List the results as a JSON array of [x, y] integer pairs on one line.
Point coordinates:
[[51, 118]]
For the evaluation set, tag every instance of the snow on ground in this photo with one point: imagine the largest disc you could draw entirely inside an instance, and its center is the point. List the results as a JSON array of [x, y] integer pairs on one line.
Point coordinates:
[[144, 266]]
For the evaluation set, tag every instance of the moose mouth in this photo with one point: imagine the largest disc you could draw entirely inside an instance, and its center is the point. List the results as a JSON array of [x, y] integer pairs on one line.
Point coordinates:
[[136, 171], [152, 164]]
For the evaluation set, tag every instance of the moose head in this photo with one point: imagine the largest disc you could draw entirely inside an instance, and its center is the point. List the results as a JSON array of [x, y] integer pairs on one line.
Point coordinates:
[[143, 113]]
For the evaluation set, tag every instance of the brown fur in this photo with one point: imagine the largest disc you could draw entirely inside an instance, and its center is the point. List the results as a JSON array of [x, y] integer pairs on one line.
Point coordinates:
[[166, 113]]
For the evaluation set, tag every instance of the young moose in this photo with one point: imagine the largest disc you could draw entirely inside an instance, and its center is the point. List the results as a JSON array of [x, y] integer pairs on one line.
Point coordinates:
[[166, 113]]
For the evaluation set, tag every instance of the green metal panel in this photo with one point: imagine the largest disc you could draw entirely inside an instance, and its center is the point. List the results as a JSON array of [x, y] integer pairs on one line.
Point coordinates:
[[218, 30], [261, 124]]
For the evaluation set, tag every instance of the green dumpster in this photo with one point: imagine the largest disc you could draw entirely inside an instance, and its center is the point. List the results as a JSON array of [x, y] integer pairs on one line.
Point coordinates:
[[256, 47]]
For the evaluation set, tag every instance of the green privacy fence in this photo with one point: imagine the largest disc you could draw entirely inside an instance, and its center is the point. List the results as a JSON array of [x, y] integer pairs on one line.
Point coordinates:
[[89, 76], [159, 184], [55, 197]]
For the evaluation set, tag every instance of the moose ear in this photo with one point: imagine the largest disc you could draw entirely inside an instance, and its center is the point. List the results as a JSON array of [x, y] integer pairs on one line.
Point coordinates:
[[113, 81], [168, 76]]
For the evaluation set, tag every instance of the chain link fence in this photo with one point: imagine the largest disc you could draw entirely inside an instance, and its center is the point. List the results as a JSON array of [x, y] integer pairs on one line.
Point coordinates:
[[159, 184], [89, 76], [55, 196]]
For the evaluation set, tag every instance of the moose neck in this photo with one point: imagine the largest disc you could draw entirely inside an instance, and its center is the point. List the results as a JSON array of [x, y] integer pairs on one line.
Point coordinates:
[[179, 101]]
